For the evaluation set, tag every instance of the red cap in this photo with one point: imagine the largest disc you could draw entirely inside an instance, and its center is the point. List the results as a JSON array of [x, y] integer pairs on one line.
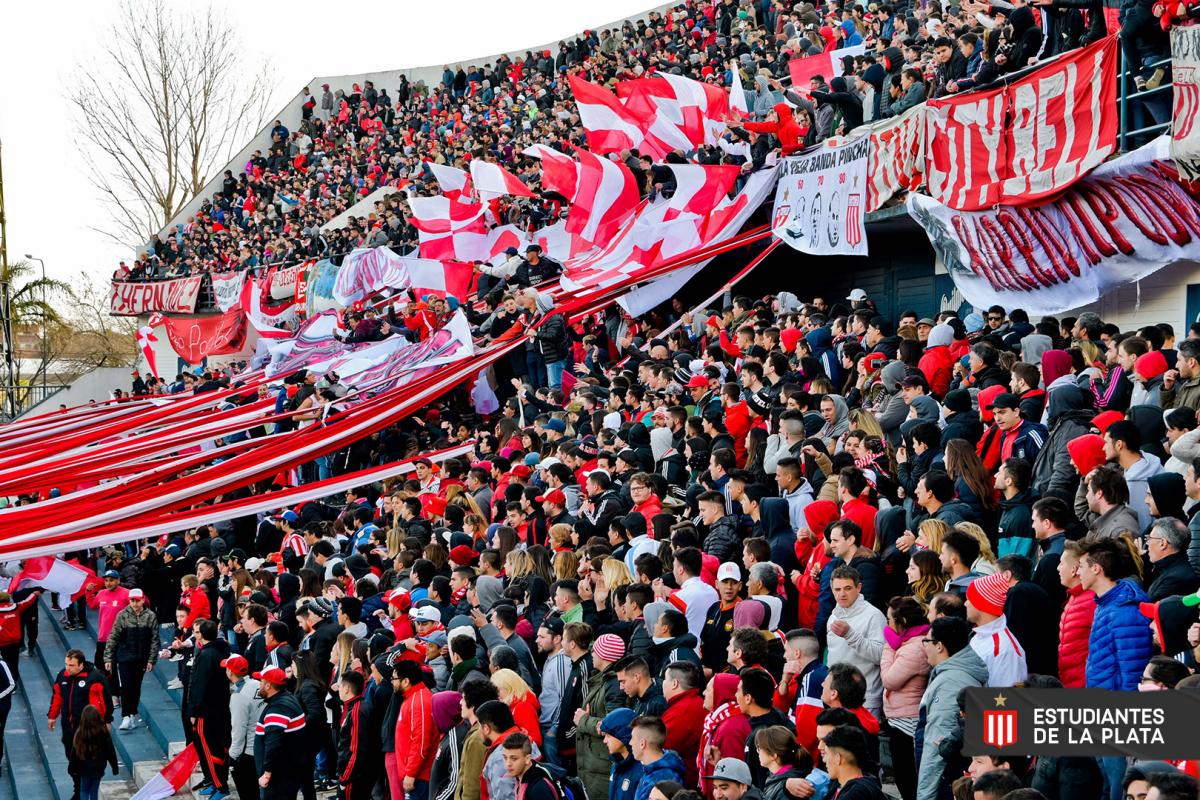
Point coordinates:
[[236, 664], [399, 598], [875, 360], [698, 382], [271, 675], [553, 496], [713, 320], [463, 555], [433, 505], [522, 471], [486, 466]]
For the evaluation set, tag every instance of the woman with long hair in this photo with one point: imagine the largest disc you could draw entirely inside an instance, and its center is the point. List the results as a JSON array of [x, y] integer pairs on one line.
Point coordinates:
[[925, 576], [566, 566], [756, 451], [542, 567], [986, 563], [517, 564], [311, 691], [783, 760], [904, 671], [516, 694], [91, 749], [505, 540], [615, 573], [972, 483], [341, 655]]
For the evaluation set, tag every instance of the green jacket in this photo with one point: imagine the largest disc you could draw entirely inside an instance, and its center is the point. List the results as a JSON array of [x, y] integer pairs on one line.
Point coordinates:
[[603, 695], [470, 765], [133, 638], [1183, 393]]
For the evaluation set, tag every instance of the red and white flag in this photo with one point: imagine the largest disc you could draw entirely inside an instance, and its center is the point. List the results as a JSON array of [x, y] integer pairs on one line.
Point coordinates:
[[703, 107], [606, 196], [700, 188], [452, 180], [173, 777], [54, 575], [610, 126], [653, 100], [145, 343], [493, 180], [560, 172], [442, 214]]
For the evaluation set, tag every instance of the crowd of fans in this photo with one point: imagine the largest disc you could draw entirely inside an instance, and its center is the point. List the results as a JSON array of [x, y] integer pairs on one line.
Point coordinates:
[[758, 556], [353, 140]]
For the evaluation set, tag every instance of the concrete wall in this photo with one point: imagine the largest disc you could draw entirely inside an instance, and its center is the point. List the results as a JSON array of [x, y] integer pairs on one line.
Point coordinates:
[[96, 385], [1159, 297], [290, 114]]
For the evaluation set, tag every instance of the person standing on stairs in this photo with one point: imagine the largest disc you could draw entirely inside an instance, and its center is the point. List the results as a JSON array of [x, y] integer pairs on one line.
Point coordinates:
[[108, 602], [131, 652], [8, 685], [78, 686], [208, 709], [91, 750], [11, 624]]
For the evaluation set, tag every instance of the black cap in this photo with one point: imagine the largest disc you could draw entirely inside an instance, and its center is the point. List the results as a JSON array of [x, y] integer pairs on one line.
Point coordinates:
[[554, 624], [1006, 400], [958, 400]]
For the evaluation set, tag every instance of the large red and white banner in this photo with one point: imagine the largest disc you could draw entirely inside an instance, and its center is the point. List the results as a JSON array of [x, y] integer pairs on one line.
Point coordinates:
[[1127, 219], [897, 159], [820, 201], [176, 296], [1027, 140], [283, 281], [1185, 116], [55, 575], [827, 65], [366, 271], [195, 338]]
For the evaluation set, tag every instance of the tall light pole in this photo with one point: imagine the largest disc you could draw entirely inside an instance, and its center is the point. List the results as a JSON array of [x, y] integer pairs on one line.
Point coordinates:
[[10, 395], [45, 332]]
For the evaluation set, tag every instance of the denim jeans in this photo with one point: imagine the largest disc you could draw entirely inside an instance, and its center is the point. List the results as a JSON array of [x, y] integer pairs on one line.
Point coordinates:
[[89, 789], [554, 373], [549, 745], [1113, 768]]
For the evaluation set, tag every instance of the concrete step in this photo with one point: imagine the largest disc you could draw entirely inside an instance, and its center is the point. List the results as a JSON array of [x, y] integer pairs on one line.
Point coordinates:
[[24, 769], [35, 690]]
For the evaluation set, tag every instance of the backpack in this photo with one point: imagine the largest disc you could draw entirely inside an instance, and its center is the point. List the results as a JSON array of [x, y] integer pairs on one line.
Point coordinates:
[[569, 786]]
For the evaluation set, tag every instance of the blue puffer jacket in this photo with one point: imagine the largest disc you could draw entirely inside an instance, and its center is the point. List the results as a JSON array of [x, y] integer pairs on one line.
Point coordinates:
[[1120, 644]]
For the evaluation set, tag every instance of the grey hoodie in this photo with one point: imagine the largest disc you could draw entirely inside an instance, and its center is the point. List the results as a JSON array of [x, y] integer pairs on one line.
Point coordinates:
[[939, 706]]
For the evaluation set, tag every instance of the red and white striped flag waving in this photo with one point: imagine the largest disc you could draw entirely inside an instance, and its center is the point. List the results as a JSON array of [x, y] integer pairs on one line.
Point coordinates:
[[173, 777], [605, 197], [610, 126], [493, 180]]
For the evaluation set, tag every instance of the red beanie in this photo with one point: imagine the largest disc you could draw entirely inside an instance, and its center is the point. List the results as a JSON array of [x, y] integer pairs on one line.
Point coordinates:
[[1150, 365], [1087, 452], [986, 396], [1103, 420], [788, 337], [988, 593], [818, 514]]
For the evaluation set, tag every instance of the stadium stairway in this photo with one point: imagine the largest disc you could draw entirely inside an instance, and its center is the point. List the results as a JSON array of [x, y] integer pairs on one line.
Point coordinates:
[[35, 767]]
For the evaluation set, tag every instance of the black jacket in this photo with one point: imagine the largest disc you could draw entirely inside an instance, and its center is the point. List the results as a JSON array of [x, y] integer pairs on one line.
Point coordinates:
[[531, 275], [551, 338], [538, 785], [324, 637], [208, 693], [278, 738], [1172, 575]]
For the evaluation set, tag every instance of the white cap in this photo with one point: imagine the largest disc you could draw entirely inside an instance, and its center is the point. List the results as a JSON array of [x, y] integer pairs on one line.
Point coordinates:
[[548, 462], [729, 572], [425, 614], [857, 295], [462, 630], [254, 564], [137, 594]]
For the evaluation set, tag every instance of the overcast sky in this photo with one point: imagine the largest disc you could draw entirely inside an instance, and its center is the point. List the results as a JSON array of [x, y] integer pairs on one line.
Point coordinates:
[[50, 202]]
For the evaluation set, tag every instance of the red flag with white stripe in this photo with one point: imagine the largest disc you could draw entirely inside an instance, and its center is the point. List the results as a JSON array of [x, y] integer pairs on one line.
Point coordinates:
[[442, 214], [610, 126], [173, 777], [452, 180], [700, 188], [607, 194], [55, 575], [560, 172], [493, 180]]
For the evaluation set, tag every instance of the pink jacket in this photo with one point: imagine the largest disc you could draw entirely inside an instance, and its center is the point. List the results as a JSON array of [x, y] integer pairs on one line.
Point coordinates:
[[109, 602], [904, 671]]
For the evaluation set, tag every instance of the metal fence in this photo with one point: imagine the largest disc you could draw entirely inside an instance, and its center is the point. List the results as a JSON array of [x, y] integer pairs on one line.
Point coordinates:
[[15, 401]]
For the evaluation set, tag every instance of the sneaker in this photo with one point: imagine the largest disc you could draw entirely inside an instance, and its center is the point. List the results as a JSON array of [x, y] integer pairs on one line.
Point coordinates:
[[220, 795], [177, 657], [207, 791], [138, 722], [175, 683], [127, 723], [1156, 78], [204, 784]]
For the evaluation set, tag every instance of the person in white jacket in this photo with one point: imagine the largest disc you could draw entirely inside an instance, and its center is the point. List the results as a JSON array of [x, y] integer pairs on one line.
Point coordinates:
[[992, 641], [245, 707], [855, 634]]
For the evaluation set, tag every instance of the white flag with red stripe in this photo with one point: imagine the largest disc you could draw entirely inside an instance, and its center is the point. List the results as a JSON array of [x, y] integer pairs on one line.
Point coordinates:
[[654, 100], [560, 172], [452, 180], [442, 214], [606, 196], [737, 92], [493, 180], [173, 777], [54, 575], [145, 343], [701, 188], [610, 126]]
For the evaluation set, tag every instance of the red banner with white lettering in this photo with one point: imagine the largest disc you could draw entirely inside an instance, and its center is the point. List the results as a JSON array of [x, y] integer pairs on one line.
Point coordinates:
[[1128, 218], [195, 338], [1027, 140], [131, 298]]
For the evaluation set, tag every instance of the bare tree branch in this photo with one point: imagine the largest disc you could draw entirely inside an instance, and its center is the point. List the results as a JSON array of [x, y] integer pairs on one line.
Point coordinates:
[[168, 101]]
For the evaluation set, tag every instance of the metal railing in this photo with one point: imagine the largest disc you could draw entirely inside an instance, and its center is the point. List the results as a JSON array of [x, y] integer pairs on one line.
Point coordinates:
[[1135, 106], [26, 397]]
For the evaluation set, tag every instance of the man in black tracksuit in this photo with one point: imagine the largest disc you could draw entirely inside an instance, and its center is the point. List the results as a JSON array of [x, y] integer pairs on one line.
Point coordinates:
[[358, 743], [208, 707], [278, 737], [76, 687]]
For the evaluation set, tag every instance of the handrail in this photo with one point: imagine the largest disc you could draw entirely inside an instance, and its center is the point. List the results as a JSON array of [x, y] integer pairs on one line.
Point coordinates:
[[1124, 98]]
